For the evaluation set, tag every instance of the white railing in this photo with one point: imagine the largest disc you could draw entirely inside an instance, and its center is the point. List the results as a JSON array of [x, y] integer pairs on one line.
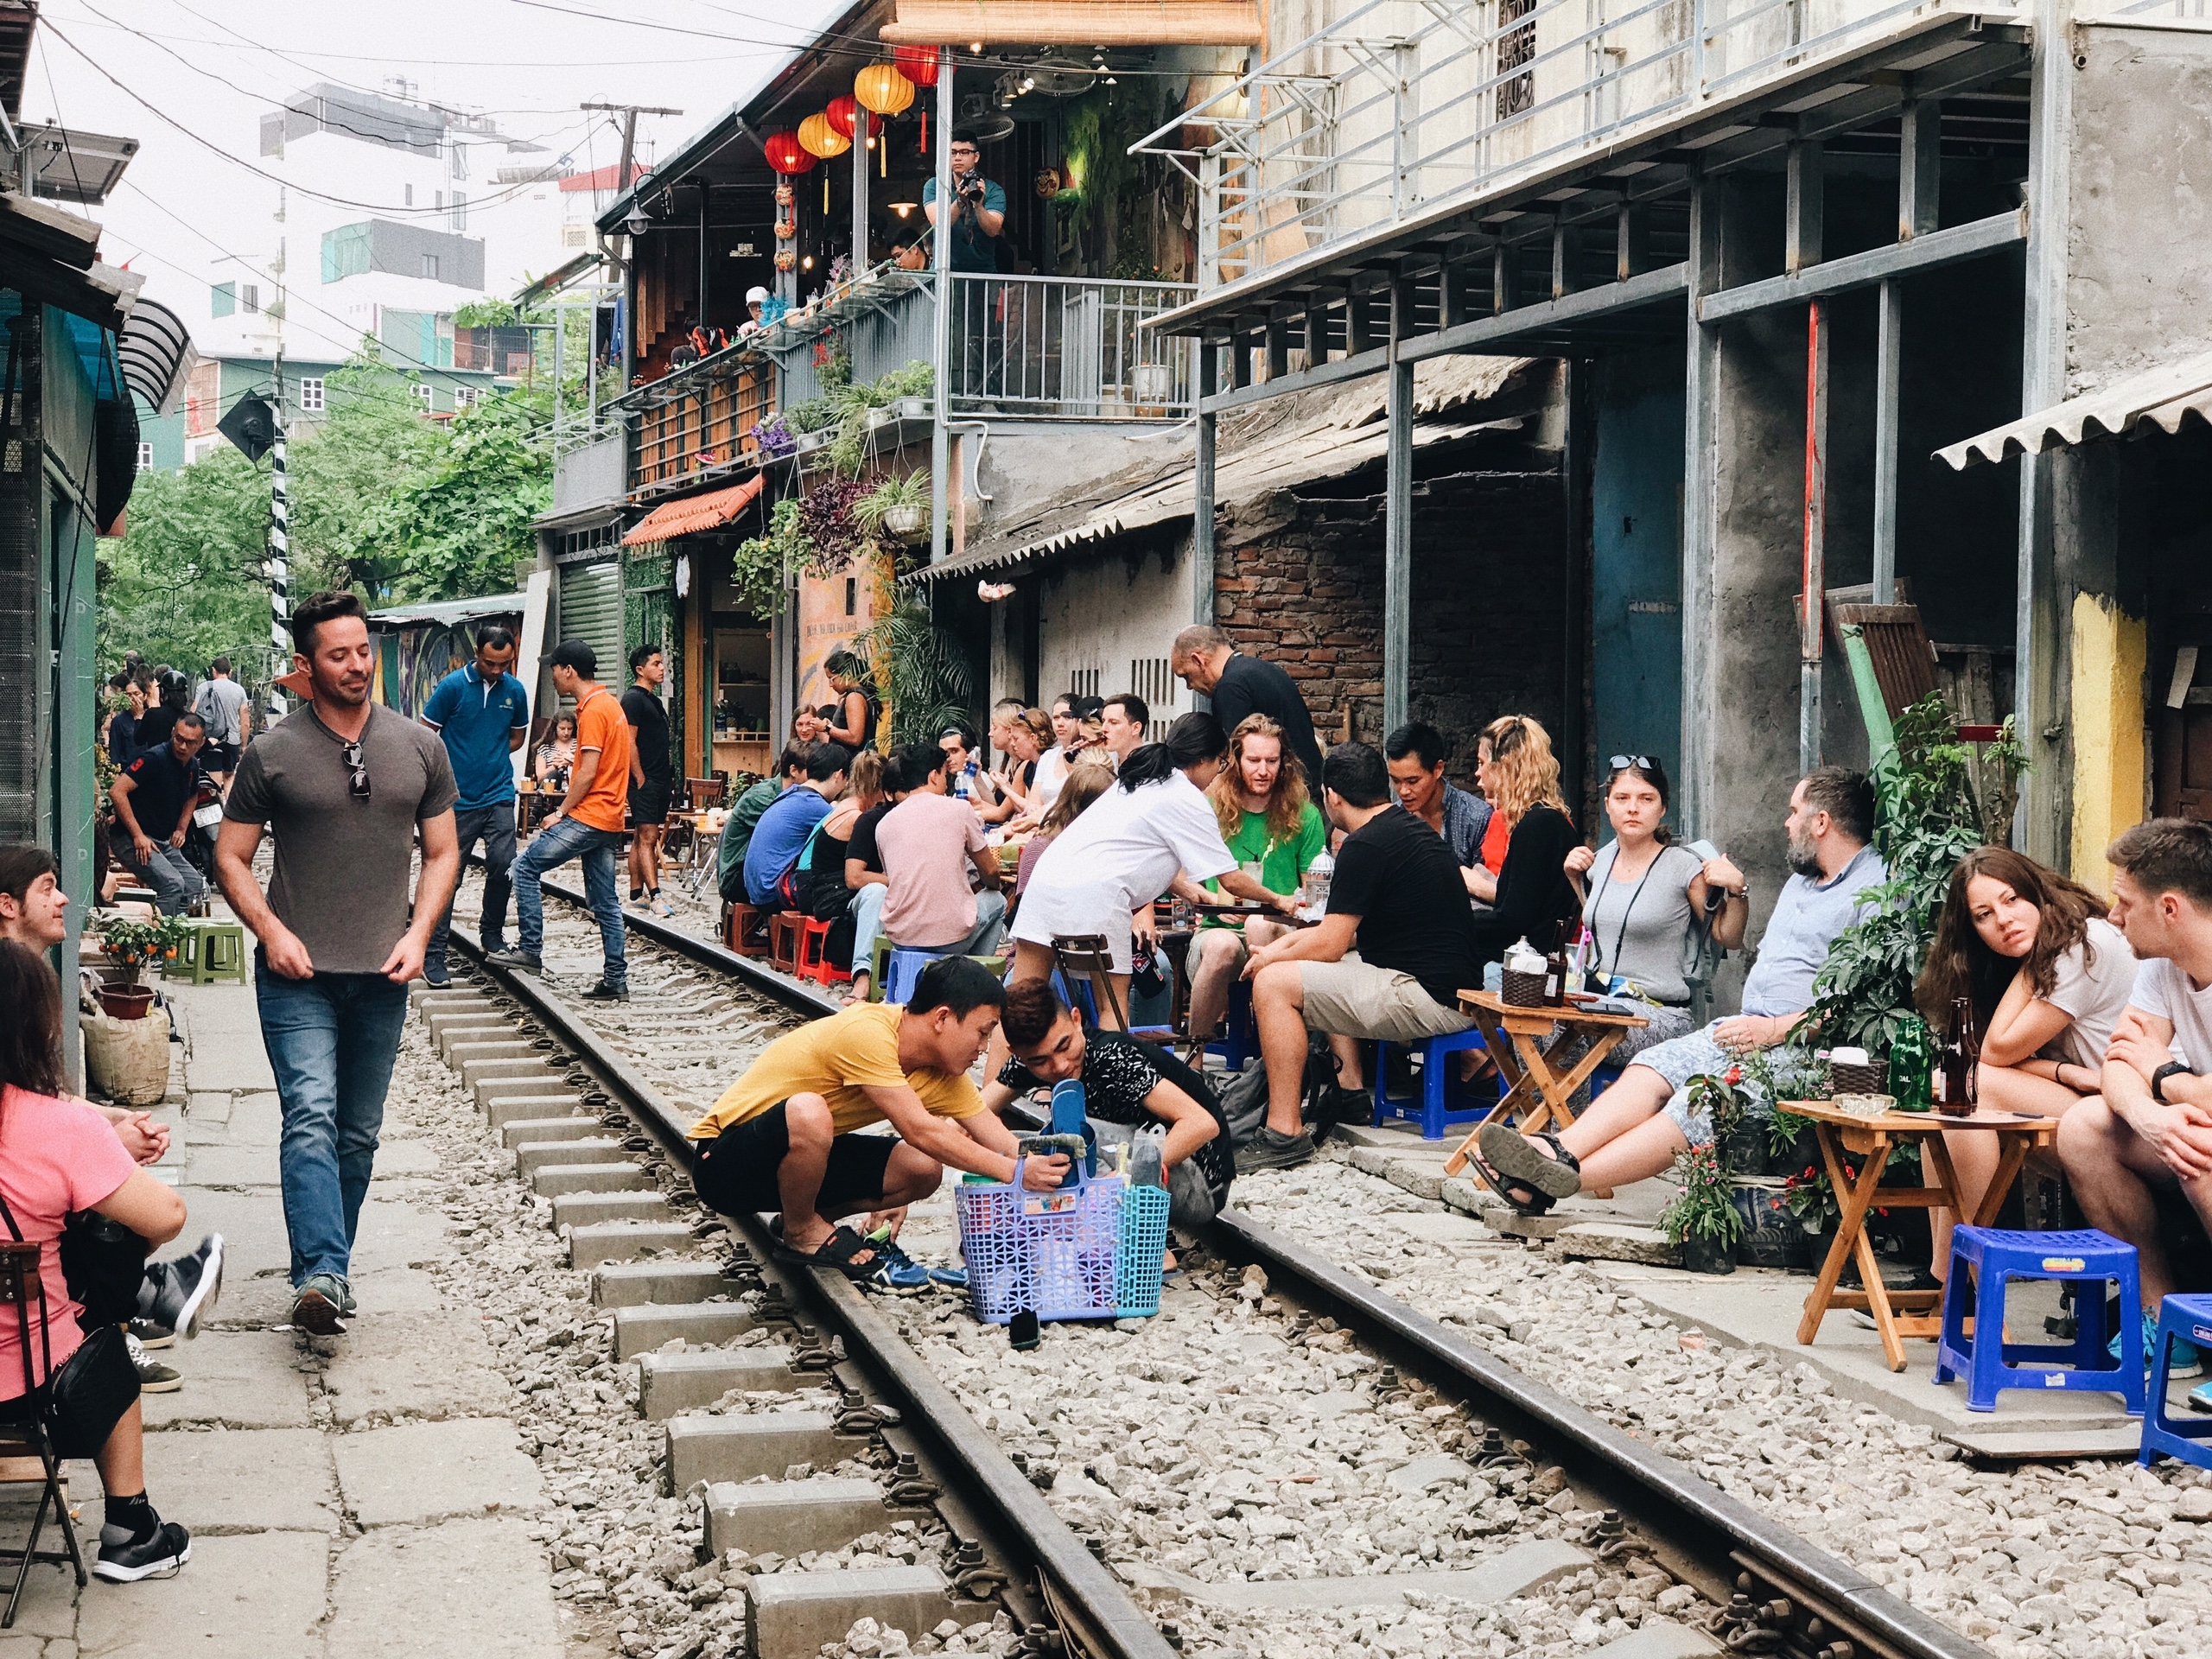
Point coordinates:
[[1065, 348], [1404, 105], [2156, 14]]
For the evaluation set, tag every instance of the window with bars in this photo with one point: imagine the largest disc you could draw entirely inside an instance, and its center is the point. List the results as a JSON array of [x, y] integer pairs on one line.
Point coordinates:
[[145, 457], [423, 396], [1083, 681], [1516, 45], [1150, 679], [311, 395]]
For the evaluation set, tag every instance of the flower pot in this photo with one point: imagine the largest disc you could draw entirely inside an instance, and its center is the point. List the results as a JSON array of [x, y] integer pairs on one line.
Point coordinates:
[[126, 1002], [906, 524], [810, 441], [1772, 1237], [912, 409], [1703, 1255], [1154, 383], [881, 418]]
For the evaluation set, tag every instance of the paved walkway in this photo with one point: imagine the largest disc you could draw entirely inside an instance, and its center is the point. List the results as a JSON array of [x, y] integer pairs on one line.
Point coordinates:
[[364, 1502]]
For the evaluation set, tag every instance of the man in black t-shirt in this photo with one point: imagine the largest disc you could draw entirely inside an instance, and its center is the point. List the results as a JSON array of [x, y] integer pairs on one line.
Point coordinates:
[[1397, 896], [651, 782], [1205, 660], [153, 796]]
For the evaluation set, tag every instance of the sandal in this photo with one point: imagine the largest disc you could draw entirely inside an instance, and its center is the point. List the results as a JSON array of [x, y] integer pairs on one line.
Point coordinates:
[[1524, 1199], [836, 1252], [1515, 1157]]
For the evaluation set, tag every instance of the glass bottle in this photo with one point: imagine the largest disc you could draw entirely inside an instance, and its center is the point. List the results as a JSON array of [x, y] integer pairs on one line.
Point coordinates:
[[1910, 1065], [1954, 1079]]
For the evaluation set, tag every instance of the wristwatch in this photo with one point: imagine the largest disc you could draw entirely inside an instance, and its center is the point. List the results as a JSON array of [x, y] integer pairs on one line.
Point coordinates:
[[2158, 1079]]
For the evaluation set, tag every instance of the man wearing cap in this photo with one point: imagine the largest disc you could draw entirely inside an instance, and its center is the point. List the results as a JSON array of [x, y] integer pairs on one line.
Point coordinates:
[[756, 307]]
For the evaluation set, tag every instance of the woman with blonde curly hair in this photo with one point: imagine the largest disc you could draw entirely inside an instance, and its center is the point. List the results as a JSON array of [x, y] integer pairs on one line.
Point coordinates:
[[1528, 834], [1267, 819]]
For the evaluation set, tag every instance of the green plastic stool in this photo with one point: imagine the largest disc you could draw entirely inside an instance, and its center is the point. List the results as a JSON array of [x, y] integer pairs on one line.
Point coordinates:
[[211, 951]]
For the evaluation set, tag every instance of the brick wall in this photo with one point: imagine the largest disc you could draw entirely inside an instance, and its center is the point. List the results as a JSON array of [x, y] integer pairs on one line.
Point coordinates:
[[1300, 581]]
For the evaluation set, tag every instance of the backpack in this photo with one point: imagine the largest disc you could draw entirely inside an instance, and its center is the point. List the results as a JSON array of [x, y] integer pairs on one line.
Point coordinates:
[[1244, 1101]]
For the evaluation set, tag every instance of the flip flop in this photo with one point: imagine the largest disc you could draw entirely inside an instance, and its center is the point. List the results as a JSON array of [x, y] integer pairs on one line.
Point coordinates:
[[837, 1251], [1515, 1157]]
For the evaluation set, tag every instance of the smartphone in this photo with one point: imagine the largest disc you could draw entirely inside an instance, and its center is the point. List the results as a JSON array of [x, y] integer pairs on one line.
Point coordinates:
[[1023, 1332]]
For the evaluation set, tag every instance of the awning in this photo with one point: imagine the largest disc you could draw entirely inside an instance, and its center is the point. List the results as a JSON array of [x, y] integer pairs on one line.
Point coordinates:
[[156, 353], [1077, 23], [2164, 398], [695, 514]]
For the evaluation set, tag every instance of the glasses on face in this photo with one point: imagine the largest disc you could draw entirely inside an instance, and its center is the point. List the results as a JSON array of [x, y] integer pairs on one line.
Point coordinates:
[[358, 785]]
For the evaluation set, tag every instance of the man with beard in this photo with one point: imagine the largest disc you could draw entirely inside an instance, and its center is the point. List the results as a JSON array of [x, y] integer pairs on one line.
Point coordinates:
[[344, 785], [1634, 1129]]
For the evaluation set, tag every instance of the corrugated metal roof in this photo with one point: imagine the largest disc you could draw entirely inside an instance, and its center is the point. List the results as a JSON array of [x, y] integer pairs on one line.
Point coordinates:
[[450, 611], [2164, 398]]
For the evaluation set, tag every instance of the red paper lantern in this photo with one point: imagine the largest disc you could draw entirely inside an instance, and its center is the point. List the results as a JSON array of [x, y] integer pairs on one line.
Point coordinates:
[[785, 154], [917, 63], [843, 114]]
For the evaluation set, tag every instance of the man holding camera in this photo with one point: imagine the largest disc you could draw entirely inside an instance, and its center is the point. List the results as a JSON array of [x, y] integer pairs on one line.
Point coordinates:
[[978, 215]]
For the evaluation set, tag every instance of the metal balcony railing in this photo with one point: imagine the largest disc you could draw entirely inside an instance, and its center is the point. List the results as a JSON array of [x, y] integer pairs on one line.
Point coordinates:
[[1404, 105], [1065, 348], [688, 427]]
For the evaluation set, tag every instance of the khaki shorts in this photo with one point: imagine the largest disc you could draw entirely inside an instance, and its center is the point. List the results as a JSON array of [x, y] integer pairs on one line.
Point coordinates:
[[1351, 998]]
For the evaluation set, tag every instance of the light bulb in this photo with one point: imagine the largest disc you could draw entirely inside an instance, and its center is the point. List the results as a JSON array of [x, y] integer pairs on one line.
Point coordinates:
[[807, 263], [1028, 82], [976, 46]]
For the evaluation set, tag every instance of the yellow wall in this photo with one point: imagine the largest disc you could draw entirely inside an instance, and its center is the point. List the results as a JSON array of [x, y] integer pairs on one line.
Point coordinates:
[[2111, 652]]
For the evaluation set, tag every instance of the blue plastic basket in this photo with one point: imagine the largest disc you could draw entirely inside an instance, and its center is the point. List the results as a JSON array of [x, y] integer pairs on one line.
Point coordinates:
[[1142, 1252], [1058, 1254]]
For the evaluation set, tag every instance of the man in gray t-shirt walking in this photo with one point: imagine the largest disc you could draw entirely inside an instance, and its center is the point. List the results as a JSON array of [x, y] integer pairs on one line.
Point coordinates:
[[221, 705], [344, 785]]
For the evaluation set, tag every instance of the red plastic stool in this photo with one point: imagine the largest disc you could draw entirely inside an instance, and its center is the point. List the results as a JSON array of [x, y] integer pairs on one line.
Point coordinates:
[[744, 930], [783, 940], [814, 962]]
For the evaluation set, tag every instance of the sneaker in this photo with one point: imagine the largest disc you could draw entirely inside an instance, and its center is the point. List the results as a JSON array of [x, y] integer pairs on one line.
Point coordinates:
[[437, 979], [889, 1250], [605, 992], [190, 1287], [638, 897], [346, 1304], [152, 1334], [521, 962], [2187, 1358], [1338, 1104], [1270, 1150], [154, 1377], [319, 1306], [660, 906], [896, 1273], [124, 1560]]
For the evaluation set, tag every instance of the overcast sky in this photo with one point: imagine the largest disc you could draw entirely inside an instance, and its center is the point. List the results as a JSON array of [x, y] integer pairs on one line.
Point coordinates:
[[212, 68]]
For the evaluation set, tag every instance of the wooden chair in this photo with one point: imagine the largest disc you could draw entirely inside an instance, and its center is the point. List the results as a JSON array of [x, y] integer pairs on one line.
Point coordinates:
[[1083, 957], [26, 1452], [705, 792]]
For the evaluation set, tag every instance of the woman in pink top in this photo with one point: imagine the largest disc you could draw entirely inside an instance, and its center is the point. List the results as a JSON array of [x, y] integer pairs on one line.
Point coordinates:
[[59, 1155]]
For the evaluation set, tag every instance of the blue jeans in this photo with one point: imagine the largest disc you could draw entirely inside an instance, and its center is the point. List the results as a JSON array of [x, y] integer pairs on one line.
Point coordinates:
[[331, 1041], [494, 826], [599, 849], [176, 884]]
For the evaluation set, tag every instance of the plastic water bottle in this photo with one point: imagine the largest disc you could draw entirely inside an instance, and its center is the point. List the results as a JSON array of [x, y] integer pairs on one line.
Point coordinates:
[[961, 786], [1318, 875], [1145, 1168]]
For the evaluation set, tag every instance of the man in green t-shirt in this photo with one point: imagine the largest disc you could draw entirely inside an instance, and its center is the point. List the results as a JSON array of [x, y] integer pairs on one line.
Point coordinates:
[[745, 818], [1267, 820]]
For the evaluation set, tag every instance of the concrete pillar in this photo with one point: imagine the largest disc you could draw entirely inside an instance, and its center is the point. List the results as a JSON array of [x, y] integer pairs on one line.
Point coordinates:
[[940, 456], [2110, 651], [1202, 549], [1398, 520]]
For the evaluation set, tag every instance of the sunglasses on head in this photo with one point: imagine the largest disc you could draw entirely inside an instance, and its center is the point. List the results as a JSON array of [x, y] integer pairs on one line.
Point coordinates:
[[358, 785], [1622, 762]]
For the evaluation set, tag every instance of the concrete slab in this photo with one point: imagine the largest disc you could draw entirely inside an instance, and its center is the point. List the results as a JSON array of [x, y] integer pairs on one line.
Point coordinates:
[[474, 1588], [558, 1180], [519, 1068], [399, 1160], [669, 1383], [233, 1166], [256, 1597], [250, 1480], [584, 1209], [792, 1517], [629, 1284], [428, 1365], [596, 1243], [1515, 1572], [416, 1473], [535, 1131], [1659, 1639], [228, 1065], [257, 1119], [533, 1155], [394, 1233], [550, 1096], [2048, 1445], [791, 1615], [239, 1379], [1614, 1241], [509, 1046], [1434, 1228], [641, 1329], [251, 1223], [758, 1443], [209, 1107]]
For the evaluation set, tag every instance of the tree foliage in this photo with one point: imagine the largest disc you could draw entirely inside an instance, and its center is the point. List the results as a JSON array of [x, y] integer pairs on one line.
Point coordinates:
[[184, 586]]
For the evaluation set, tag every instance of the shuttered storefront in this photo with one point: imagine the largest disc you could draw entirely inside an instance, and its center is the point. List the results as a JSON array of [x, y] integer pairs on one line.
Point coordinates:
[[591, 610]]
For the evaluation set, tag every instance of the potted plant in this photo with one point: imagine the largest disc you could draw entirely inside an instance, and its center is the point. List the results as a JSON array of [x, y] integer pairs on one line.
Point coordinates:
[[130, 945], [1703, 1219], [900, 507], [775, 438]]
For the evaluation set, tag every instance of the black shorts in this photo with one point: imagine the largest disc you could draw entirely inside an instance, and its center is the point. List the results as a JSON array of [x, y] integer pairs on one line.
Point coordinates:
[[736, 1172], [648, 802], [220, 757]]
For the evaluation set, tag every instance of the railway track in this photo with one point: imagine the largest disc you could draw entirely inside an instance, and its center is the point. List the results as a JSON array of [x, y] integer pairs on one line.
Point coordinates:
[[1764, 1589]]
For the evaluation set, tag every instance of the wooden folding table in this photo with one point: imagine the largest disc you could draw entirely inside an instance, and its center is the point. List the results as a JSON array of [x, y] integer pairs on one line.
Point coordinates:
[[1870, 1140], [1529, 1043]]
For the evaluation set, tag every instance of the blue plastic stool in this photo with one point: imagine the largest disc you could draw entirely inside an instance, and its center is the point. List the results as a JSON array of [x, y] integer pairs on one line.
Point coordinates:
[[2189, 1318], [1432, 1108], [1239, 1040], [1986, 1260], [903, 967]]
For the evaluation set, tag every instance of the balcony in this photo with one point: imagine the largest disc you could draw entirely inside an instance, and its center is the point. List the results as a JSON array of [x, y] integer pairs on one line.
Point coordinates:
[[1405, 107], [686, 430]]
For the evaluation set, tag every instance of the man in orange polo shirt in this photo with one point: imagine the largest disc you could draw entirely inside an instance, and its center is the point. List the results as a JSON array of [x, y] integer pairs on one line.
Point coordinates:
[[587, 824]]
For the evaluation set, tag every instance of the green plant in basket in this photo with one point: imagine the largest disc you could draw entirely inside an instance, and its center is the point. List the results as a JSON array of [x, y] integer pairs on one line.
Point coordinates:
[[132, 946], [1706, 1208]]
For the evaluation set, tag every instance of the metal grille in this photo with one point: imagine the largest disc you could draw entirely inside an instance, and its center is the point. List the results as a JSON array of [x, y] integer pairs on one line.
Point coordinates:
[[1149, 679], [1056, 347], [1083, 681], [591, 610]]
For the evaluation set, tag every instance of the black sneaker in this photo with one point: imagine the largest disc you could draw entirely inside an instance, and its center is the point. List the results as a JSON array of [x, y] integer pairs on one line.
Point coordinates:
[[190, 1286], [437, 979], [152, 1334], [154, 1377], [320, 1305], [1271, 1150], [604, 992], [522, 962], [162, 1551]]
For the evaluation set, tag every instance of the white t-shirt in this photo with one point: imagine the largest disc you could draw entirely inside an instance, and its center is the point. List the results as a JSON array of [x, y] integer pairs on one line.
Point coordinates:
[[1128, 843], [2163, 991], [2096, 994], [1051, 774]]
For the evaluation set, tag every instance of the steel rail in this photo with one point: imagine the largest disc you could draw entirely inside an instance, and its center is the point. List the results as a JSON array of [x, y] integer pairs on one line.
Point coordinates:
[[1108, 1621], [1689, 1520]]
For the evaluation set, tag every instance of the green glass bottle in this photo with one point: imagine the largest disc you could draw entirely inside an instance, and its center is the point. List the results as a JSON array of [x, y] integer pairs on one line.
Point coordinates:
[[1912, 1058]]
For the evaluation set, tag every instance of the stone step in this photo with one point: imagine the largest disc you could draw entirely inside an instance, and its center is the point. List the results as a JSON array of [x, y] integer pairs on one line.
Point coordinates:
[[530, 1067], [643, 1327], [1617, 1240], [791, 1615], [560, 1180], [528, 1098], [747, 1447], [583, 1209], [669, 1383], [536, 1131], [663, 1284], [532, 1156], [472, 1028], [593, 1245], [792, 1517]]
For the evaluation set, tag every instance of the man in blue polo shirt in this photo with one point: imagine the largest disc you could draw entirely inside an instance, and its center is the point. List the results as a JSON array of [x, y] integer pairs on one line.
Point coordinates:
[[483, 714]]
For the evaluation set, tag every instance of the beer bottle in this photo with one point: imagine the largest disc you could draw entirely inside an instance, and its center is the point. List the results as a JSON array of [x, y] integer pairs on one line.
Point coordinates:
[[1955, 1091], [1911, 1065]]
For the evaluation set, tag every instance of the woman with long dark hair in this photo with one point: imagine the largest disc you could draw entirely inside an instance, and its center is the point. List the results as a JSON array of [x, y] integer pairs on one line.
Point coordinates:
[[2048, 977], [59, 1155], [1102, 873]]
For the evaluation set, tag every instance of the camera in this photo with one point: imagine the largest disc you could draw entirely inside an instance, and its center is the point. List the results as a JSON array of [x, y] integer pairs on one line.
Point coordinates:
[[969, 184]]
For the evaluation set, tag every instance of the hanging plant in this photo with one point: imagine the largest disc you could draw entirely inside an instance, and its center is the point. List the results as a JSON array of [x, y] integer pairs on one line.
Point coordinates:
[[828, 525]]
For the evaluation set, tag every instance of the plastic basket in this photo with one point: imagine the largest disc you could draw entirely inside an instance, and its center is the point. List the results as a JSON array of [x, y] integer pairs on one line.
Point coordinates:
[[1058, 1254], [1143, 1252]]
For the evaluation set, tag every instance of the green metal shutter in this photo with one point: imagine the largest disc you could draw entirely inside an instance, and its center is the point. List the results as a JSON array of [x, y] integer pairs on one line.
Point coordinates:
[[591, 610]]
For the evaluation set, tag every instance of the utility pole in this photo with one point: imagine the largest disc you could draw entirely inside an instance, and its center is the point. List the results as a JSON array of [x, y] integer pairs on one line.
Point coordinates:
[[629, 112], [280, 545]]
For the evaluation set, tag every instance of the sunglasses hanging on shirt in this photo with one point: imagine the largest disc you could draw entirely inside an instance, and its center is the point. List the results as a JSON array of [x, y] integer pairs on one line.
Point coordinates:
[[358, 785]]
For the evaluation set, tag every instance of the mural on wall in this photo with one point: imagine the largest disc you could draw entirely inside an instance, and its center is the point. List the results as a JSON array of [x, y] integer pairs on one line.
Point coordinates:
[[833, 612]]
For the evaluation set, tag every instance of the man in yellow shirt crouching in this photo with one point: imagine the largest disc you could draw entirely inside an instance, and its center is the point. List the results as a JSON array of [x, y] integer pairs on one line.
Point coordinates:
[[789, 1135]]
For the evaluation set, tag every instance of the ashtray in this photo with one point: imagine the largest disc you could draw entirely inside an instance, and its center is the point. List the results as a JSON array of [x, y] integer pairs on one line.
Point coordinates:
[[1866, 1105]]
